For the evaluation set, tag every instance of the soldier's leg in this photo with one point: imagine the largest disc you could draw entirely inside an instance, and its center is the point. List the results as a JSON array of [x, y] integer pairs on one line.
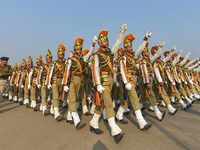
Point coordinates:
[[153, 102], [44, 99], [33, 97], [116, 132], [184, 94], [94, 122], [123, 108], [166, 99], [84, 102], [178, 96], [73, 95], [11, 92], [133, 97], [26, 95], [21, 95], [1, 87], [55, 92], [15, 93]]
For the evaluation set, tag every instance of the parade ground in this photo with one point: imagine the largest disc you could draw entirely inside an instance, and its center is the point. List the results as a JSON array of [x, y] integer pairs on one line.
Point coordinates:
[[21, 128]]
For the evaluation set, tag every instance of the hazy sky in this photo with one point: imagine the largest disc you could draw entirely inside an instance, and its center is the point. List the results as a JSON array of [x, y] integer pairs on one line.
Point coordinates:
[[30, 27]]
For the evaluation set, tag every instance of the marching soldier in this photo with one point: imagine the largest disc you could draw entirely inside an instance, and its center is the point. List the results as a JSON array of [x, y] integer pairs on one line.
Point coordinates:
[[146, 69], [33, 86], [173, 92], [22, 81], [12, 82], [73, 77], [28, 81], [54, 80], [158, 67], [129, 72], [45, 94], [102, 71], [5, 72]]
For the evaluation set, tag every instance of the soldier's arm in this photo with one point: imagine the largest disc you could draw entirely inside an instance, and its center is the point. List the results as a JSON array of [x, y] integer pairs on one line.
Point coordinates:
[[143, 44], [67, 71], [123, 70], [91, 50], [145, 75], [95, 70], [157, 73], [119, 39]]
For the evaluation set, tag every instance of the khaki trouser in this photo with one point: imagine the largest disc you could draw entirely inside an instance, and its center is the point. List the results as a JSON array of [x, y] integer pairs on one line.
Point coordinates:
[[163, 94], [56, 92], [11, 90], [182, 90], [33, 90], [44, 95], [107, 99], [21, 91], [74, 89], [119, 94], [3, 86], [26, 91], [132, 95], [83, 93], [176, 94], [151, 97]]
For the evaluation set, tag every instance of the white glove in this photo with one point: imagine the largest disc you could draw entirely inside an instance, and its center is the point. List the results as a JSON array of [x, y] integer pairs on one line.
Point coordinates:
[[95, 39], [39, 86], [66, 88], [22, 86], [186, 82], [162, 44], [117, 84], [148, 34], [29, 86], [49, 86], [128, 86], [173, 83], [123, 28], [100, 88]]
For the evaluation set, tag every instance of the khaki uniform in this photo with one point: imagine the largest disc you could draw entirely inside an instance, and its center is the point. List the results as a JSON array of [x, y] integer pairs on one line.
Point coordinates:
[[147, 74], [74, 67], [102, 60], [43, 84], [129, 75], [4, 79], [59, 67], [12, 82], [160, 78], [26, 90], [172, 90]]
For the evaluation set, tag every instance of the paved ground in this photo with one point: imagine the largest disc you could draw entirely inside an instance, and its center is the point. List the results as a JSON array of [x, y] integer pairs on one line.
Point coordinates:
[[22, 129]]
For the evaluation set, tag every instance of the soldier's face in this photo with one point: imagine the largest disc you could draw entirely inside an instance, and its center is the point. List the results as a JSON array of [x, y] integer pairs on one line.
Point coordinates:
[[4, 62], [48, 60], [29, 66], [129, 48], [146, 53], [77, 51], [104, 43], [60, 56]]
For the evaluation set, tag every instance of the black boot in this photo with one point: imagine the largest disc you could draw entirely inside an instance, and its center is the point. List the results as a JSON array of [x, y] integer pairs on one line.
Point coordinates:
[[118, 138], [96, 131]]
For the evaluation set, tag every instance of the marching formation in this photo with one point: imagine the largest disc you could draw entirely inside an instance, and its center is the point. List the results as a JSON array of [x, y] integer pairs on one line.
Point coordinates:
[[108, 82]]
